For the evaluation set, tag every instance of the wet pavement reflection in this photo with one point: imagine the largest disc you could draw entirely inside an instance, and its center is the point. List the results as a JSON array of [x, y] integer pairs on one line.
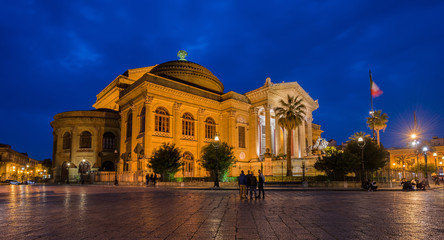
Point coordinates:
[[105, 212]]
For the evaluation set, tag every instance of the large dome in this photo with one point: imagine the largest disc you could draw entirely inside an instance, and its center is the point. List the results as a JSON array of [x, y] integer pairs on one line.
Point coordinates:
[[189, 73]]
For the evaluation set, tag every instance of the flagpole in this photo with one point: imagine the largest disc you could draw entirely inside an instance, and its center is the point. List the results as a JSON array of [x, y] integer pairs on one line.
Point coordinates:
[[371, 100]]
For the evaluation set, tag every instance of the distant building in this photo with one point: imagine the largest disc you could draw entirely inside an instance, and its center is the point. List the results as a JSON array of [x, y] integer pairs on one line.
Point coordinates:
[[180, 102], [403, 160], [18, 166]]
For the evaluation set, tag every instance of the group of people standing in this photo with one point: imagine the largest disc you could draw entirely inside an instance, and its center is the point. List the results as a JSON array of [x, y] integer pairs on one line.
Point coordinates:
[[151, 178], [248, 184]]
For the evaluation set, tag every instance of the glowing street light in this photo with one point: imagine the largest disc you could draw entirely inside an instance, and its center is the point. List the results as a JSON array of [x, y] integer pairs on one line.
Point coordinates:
[[361, 144], [425, 149], [216, 146]]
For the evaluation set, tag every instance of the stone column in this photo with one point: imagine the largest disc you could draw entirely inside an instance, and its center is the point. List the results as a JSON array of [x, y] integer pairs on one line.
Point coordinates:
[[254, 141], [302, 139], [296, 148], [267, 128], [277, 137], [147, 148], [176, 123], [309, 132]]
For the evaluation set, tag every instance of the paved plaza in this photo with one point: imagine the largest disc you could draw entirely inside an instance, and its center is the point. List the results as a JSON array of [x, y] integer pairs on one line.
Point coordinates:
[[107, 212]]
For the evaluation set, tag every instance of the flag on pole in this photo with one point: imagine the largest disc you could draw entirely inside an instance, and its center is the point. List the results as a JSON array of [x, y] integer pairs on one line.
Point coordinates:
[[375, 91]]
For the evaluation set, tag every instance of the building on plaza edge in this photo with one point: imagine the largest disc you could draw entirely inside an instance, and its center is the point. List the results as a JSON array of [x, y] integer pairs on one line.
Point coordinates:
[[180, 102], [19, 166], [403, 160]]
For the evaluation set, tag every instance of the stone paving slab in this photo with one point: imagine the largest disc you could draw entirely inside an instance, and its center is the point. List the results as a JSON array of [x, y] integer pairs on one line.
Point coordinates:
[[104, 212]]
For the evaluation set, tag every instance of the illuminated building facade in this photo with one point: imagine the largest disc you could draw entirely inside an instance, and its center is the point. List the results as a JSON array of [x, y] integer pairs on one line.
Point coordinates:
[[18, 166], [403, 161], [182, 102]]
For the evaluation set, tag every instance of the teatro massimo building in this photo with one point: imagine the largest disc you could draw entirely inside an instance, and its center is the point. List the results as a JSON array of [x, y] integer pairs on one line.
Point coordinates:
[[179, 102]]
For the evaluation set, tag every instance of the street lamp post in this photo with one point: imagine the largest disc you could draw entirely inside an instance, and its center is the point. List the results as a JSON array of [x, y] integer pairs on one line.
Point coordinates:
[[67, 170], [116, 155], [361, 144], [425, 149], [216, 146], [436, 164]]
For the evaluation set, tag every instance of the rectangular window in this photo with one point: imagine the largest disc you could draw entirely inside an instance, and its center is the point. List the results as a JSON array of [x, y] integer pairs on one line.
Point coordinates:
[[241, 137]]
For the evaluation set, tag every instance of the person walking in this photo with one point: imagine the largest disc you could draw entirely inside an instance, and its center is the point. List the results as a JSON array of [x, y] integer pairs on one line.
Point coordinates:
[[253, 185], [154, 179], [261, 185], [242, 185], [147, 179], [248, 184]]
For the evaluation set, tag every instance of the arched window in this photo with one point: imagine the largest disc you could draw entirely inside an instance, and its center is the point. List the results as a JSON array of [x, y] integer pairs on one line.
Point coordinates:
[[188, 125], [129, 124], [85, 140], [67, 140], [142, 120], [162, 120], [188, 161], [210, 128], [109, 141]]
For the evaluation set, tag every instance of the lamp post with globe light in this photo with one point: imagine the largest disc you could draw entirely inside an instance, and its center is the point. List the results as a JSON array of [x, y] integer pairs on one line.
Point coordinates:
[[116, 156], [436, 164], [425, 149], [216, 146], [67, 170], [361, 144]]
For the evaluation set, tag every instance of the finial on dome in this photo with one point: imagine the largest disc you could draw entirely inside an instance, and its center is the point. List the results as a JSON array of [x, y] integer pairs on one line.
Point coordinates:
[[182, 54]]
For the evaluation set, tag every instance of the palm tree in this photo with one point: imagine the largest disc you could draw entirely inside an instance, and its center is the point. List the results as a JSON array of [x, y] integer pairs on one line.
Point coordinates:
[[290, 115], [357, 135], [401, 161], [376, 122]]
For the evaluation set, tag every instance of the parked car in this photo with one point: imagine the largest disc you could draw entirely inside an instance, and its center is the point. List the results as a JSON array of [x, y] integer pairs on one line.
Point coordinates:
[[29, 182], [13, 182]]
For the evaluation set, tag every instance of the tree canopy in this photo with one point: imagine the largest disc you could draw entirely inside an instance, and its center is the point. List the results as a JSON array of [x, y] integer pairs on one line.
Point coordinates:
[[166, 160], [336, 164], [375, 157], [217, 157], [377, 122]]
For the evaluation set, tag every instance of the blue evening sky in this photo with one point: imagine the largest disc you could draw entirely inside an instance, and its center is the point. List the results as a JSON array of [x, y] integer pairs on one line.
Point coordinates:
[[57, 55]]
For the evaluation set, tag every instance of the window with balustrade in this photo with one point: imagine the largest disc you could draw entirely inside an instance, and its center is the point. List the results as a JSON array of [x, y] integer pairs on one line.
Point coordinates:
[[188, 125], [162, 120], [210, 128]]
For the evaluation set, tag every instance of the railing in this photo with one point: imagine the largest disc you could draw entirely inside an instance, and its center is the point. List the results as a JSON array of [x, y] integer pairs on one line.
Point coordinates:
[[127, 177]]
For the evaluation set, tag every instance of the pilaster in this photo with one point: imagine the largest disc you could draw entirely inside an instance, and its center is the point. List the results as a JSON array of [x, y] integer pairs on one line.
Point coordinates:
[[148, 126], [176, 123], [267, 128], [231, 128], [254, 140]]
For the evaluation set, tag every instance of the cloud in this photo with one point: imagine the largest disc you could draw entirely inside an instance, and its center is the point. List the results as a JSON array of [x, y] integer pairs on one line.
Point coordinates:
[[81, 54]]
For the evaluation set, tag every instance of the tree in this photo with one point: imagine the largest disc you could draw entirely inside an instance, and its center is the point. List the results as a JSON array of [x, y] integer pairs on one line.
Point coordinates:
[[47, 164], [401, 161], [357, 135], [217, 157], [166, 160], [422, 168], [336, 164], [375, 157], [376, 122], [290, 115]]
